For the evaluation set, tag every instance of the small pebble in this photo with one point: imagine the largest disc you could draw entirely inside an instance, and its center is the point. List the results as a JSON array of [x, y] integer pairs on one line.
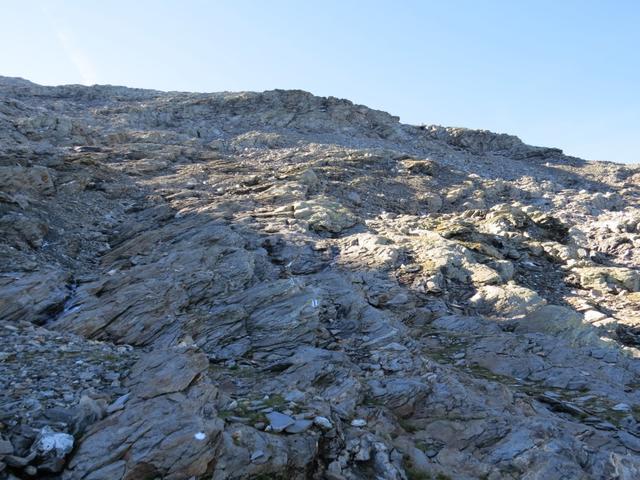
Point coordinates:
[[323, 422]]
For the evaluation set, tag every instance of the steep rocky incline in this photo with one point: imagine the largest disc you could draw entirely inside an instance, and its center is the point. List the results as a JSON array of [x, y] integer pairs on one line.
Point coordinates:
[[277, 285]]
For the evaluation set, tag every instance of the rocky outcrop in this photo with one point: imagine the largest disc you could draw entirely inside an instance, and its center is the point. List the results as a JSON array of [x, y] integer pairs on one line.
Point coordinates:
[[165, 426], [484, 141], [277, 285]]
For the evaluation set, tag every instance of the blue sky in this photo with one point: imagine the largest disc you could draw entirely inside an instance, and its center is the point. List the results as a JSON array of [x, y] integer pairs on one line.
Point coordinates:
[[562, 73]]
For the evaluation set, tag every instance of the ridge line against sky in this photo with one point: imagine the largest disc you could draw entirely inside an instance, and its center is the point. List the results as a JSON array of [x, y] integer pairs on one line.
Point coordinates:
[[563, 73]]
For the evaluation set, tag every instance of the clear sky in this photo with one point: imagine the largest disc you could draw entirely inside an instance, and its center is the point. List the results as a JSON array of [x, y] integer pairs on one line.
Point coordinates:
[[563, 73]]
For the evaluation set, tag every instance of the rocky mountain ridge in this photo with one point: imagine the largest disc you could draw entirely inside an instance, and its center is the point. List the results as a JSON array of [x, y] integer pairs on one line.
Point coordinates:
[[278, 285]]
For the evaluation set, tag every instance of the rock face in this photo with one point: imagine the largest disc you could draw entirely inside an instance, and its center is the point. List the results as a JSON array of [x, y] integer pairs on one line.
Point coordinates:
[[277, 285]]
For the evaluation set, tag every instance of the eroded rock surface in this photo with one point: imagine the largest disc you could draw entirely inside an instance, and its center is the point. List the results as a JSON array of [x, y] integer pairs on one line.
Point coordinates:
[[277, 285]]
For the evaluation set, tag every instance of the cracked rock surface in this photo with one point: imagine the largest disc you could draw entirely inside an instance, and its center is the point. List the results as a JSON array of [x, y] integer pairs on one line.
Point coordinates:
[[276, 285]]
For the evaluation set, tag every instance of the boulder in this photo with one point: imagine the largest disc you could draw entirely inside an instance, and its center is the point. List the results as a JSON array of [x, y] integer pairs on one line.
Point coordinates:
[[36, 179], [607, 279], [506, 301], [36, 297], [323, 214]]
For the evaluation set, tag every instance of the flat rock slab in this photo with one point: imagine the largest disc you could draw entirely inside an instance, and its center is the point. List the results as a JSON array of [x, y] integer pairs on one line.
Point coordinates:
[[279, 421], [299, 426]]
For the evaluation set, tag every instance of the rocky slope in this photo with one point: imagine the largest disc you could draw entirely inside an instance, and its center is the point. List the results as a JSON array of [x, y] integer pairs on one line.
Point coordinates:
[[277, 285]]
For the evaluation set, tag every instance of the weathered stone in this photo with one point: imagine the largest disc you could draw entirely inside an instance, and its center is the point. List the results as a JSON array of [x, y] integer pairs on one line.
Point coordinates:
[[323, 214], [606, 278], [52, 448], [299, 426], [168, 376], [34, 297], [221, 285], [506, 301], [278, 421], [6, 448], [323, 423], [37, 179], [168, 428], [419, 167]]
